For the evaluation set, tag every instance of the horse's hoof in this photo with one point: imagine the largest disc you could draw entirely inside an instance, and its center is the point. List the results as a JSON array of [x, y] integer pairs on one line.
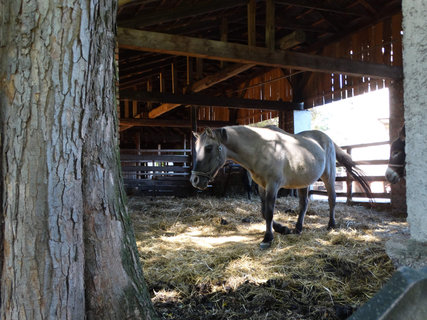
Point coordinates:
[[286, 230], [296, 231], [265, 245], [331, 226], [282, 229]]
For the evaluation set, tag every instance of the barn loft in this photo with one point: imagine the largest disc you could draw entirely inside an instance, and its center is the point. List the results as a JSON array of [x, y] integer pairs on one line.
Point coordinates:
[[185, 65]]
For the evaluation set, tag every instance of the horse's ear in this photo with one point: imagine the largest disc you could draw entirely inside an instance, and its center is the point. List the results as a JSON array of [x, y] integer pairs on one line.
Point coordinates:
[[195, 134], [209, 133], [223, 134], [402, 133]]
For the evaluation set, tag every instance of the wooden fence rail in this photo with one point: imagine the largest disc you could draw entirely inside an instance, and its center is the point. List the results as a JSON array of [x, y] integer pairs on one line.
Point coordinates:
[[167, 171], [157, 171], [349, 182]]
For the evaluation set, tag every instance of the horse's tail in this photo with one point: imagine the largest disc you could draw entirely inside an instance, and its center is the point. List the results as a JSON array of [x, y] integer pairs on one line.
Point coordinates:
[[357, 174]]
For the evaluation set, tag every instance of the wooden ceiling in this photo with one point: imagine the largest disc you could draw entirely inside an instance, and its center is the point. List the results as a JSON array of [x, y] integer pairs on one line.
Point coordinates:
[[186, 46]]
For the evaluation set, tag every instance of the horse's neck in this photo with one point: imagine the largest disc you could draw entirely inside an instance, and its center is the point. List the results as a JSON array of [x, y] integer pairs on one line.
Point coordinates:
[[240, 147]]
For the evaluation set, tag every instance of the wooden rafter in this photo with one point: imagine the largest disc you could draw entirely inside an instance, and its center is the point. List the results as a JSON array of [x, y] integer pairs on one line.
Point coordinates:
[[217, 50], [320, 7], [214, 101], [202, 84], [180, 12]]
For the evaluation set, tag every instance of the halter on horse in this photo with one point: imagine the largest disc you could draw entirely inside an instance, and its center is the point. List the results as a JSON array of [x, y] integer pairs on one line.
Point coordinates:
[[275, 159]]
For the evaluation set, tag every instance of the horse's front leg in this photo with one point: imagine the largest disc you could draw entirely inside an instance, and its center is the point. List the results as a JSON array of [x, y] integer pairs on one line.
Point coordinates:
[[268, 201]]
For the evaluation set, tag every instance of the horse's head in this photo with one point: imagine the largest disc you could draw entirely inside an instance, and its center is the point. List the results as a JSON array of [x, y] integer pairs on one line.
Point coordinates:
[[210, 157], [396, 164]]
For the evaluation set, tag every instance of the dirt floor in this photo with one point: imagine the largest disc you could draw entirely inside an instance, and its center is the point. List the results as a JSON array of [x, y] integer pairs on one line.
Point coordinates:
[[201, 258]]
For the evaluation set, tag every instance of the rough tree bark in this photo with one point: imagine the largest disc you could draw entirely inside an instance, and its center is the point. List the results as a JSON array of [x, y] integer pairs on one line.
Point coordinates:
[[67, 244]]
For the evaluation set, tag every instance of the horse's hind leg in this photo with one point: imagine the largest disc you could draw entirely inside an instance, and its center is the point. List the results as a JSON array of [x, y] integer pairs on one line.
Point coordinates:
[[267, 207], [303, 203], [330, 188]]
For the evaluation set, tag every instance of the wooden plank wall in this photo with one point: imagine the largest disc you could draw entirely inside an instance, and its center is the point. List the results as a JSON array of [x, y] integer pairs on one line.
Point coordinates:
[[271, 85], [380, 43]]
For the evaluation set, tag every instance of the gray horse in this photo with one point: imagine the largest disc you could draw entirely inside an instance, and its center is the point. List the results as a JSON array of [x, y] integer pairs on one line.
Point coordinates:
[[275, 159]]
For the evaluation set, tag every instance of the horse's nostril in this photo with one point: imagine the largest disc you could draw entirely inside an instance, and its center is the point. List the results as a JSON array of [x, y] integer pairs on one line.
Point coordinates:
[[196, 180]]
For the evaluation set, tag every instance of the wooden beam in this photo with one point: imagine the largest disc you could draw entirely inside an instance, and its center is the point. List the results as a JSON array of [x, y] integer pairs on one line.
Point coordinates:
[[291, 40], [214, 101], [203, 84], [217, 50], [155, 17], [320, 7], [218, 77], [178, 123]]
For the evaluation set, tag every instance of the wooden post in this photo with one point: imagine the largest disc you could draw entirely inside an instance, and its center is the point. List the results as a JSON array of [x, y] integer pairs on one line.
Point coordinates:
[[174, 78], [134, 109], [349, 182], [251, 23], [126, 113], [398, 190], [194, 129], [149, 89], [270, 25], [189, 70], [161, 82], [199, 68], [223, 36]]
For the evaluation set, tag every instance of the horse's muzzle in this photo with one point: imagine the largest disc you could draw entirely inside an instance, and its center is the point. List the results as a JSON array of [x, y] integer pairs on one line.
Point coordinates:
[[392, 176], [199, 182]]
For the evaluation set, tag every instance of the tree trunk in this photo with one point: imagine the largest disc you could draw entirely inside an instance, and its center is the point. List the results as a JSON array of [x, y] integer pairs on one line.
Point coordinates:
[[68, 246]]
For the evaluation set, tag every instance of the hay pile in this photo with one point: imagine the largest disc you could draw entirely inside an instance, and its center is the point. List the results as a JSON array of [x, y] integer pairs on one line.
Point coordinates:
[[201, 259]]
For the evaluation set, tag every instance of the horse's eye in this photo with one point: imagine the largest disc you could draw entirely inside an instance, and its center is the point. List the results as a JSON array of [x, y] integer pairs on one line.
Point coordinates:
[[208, 148]]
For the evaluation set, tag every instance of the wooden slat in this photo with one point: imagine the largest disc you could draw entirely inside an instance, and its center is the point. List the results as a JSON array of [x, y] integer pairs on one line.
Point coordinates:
[[367, 178], [226, 51], [159, 158], [138, 151], [381, 195], [146, 169]]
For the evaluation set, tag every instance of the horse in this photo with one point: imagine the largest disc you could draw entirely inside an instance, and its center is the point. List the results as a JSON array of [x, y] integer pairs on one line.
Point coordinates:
[[274, 159], [396, 164]]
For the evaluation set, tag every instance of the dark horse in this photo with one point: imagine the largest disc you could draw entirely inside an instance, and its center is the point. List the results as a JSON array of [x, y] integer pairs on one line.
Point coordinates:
[[396, 164], [275, 159]]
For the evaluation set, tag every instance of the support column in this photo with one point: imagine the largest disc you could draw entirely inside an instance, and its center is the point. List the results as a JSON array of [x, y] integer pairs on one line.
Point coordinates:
[[415, 97], [398, 190]]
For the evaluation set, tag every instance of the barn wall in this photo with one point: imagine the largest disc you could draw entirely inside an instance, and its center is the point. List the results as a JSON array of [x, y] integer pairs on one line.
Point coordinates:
[[380, 43], [272, 85], [415, 97]]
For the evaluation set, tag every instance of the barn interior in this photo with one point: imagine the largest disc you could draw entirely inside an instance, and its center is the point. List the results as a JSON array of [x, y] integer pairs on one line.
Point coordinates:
[[187, 65], [184, 65]]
